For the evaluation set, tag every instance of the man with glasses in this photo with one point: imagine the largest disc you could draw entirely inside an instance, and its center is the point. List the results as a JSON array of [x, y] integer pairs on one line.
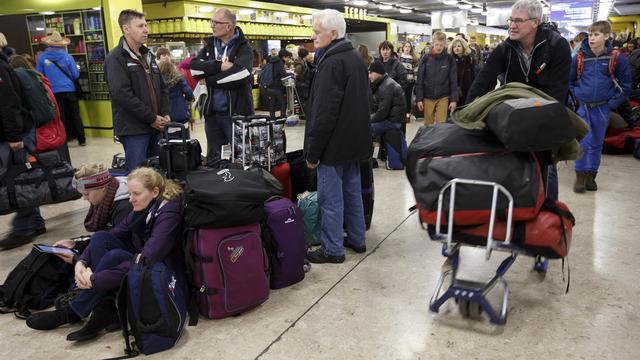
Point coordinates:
[[225, 64], [535, 55]]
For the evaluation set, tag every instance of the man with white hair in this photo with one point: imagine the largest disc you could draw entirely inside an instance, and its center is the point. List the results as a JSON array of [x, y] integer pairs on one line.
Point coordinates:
[[533, 54], [337, 137]]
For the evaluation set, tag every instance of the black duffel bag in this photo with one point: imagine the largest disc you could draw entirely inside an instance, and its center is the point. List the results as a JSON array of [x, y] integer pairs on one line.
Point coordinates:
[[217, 198], [181, 155], [532, 124], [47, 181]]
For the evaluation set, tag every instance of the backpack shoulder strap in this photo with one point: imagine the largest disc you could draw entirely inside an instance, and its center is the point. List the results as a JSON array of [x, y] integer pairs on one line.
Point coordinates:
[[579, 64], [613, 61]]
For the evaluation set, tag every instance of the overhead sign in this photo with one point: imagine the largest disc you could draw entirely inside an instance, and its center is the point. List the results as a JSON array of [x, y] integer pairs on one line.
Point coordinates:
[[572, 13]]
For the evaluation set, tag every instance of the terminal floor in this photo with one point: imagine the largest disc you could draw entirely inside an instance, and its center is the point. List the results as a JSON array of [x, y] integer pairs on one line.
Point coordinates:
[[375, 305]]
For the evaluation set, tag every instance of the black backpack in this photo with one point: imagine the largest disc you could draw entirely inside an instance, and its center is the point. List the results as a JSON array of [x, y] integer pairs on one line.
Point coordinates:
[[41, 108], [34, 283]]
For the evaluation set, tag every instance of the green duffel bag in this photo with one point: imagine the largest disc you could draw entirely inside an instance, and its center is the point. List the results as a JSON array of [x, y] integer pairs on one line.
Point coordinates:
[[308, 203]]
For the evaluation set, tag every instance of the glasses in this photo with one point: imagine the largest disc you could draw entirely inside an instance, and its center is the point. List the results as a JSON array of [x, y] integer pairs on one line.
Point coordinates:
[[214, 23], [518, 21]]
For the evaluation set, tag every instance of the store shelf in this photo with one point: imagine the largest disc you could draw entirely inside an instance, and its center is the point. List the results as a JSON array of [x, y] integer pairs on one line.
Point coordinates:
[[92, 30], [93, 41]]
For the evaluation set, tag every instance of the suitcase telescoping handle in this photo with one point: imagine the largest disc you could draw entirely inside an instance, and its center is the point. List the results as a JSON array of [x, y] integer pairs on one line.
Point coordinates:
[[249, 118], [174, 125]]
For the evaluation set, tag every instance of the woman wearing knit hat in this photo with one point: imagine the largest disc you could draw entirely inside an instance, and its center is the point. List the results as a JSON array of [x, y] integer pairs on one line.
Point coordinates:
[[61, 70]]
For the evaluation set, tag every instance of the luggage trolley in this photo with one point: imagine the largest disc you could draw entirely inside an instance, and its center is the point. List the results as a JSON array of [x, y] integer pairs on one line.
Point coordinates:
[[289, 83], [471, 296]]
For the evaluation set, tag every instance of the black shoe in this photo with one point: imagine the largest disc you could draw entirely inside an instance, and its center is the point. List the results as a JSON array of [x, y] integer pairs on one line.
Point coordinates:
[[47, 320], [358, 249], [374, 163], [319, 257], [40, 231], [103, 317], [13, 240]]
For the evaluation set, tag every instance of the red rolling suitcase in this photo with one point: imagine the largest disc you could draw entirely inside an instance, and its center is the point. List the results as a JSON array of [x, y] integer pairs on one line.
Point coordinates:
[[282, 172]]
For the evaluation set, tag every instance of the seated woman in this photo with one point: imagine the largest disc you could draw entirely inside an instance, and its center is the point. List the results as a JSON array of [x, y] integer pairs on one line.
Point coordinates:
[[150, 233], [108, 197]]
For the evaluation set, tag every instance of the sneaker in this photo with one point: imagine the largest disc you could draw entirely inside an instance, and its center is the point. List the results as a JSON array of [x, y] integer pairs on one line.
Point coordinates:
[[358, 249], [319, 257]]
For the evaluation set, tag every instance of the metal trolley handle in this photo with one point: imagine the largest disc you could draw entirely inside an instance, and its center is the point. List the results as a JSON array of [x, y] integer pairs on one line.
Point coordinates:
[[494, 204]]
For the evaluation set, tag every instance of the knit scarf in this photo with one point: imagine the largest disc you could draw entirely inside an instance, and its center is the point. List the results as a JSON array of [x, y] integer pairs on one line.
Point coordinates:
[[99, 215], [142, 221]]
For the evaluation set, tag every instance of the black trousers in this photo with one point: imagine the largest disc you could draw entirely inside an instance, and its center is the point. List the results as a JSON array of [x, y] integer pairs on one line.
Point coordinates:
[[70, 115]]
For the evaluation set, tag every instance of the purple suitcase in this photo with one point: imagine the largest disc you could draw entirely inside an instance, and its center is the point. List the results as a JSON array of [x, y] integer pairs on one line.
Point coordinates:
[[287, 248], [231, 270]]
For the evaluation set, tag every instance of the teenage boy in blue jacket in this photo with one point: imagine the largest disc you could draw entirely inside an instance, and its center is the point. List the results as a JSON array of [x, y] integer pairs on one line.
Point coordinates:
[[601, 81]]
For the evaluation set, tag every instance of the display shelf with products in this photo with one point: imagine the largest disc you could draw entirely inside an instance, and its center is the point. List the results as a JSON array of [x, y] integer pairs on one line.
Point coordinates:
[[87, 44]]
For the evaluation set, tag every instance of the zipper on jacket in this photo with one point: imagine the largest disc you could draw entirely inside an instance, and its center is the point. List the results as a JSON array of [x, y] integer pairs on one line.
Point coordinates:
[[526, 74]]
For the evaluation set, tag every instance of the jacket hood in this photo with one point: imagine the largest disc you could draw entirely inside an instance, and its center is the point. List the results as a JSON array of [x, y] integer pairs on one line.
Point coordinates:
[[4, 57], [122, 192], [338, 46], [584, 47], [56, 53], [377, 83]]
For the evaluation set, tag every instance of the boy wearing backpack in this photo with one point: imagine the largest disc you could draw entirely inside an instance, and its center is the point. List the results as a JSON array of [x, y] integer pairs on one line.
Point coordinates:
[[601, 81]]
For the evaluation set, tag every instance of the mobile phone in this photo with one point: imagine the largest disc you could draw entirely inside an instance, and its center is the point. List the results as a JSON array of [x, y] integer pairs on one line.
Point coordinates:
[[55, 249]]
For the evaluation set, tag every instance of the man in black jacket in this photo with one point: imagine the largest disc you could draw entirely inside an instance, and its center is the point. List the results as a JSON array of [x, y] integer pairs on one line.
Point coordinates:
[[16, 132], [337, 136], [226, 62], [276, 88], [533, 54], [388, 101], [139, 97]]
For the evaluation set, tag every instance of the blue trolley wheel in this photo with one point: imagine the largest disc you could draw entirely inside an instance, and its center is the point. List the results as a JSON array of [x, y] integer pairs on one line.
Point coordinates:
[[541, 265]]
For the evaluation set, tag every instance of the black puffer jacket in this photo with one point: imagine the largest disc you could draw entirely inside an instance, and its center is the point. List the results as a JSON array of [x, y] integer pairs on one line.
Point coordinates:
[[239, 91], [15, 120], [338, 128], [396, 71], [550, 49], [277, 66], [388, 101], [138, 93], [466, 71], [437, 77]]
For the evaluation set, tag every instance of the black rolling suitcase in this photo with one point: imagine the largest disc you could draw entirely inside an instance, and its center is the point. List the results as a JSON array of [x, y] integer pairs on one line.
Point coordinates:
[[178, 156], [368, 190]]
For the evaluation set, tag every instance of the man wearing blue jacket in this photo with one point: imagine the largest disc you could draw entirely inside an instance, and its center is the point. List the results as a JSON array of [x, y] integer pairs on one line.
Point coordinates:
[[61, 70], [601, 82]]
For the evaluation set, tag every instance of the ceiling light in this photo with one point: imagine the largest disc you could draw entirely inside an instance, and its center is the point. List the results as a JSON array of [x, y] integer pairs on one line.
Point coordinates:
[[360, 2], [307, 17], [450, 2], [464, 6], [96, 8], [384, 7], [246, 11], [405, 11], [476, 10], [280, 14], [47, 13], [205, 9]]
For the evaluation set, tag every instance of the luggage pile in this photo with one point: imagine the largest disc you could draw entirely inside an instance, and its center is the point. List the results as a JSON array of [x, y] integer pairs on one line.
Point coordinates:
[[509, 154]]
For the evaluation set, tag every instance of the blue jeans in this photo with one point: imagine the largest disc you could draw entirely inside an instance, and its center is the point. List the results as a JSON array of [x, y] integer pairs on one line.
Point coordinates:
[[26, 221], [217, 127], [340, 199], [107, 251], [138, 148], [381, 127], [591, 144]]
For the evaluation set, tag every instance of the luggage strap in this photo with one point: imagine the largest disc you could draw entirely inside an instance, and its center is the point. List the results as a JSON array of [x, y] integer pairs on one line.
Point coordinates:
[[563, 214], [188, 234]]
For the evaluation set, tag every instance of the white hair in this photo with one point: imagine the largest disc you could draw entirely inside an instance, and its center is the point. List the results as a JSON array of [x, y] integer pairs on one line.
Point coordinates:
[[532, 7], [330, 19], [3, 41]]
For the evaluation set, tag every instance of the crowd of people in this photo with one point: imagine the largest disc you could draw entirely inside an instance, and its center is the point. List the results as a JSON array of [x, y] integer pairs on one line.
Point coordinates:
[[139, 217]]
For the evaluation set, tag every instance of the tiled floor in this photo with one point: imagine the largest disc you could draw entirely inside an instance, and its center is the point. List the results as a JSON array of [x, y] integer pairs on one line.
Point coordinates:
[[374, 306]]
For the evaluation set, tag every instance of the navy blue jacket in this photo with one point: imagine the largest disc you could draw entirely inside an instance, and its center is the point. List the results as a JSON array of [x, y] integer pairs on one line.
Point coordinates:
[[179, 96], [595, 84]]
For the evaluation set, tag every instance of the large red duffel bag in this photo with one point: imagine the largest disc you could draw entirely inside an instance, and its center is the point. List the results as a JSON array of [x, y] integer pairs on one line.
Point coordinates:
[[549, 234]]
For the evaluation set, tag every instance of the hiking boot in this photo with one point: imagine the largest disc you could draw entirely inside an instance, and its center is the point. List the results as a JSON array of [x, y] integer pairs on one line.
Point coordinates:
[[103, 317], [319, 257], [590, 182], [47, 320], [580, 185], [358, 249]]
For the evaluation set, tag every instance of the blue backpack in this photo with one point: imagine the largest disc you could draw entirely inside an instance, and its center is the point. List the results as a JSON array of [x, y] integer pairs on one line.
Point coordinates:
[[153, 308], [266, 75]]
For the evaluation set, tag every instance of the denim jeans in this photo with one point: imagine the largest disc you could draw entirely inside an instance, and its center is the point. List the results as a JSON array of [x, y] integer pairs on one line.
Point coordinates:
[[217, 127], [340, 200], [107, 251], [381, 127], [591, 144], [26, 221], [137, 148]]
